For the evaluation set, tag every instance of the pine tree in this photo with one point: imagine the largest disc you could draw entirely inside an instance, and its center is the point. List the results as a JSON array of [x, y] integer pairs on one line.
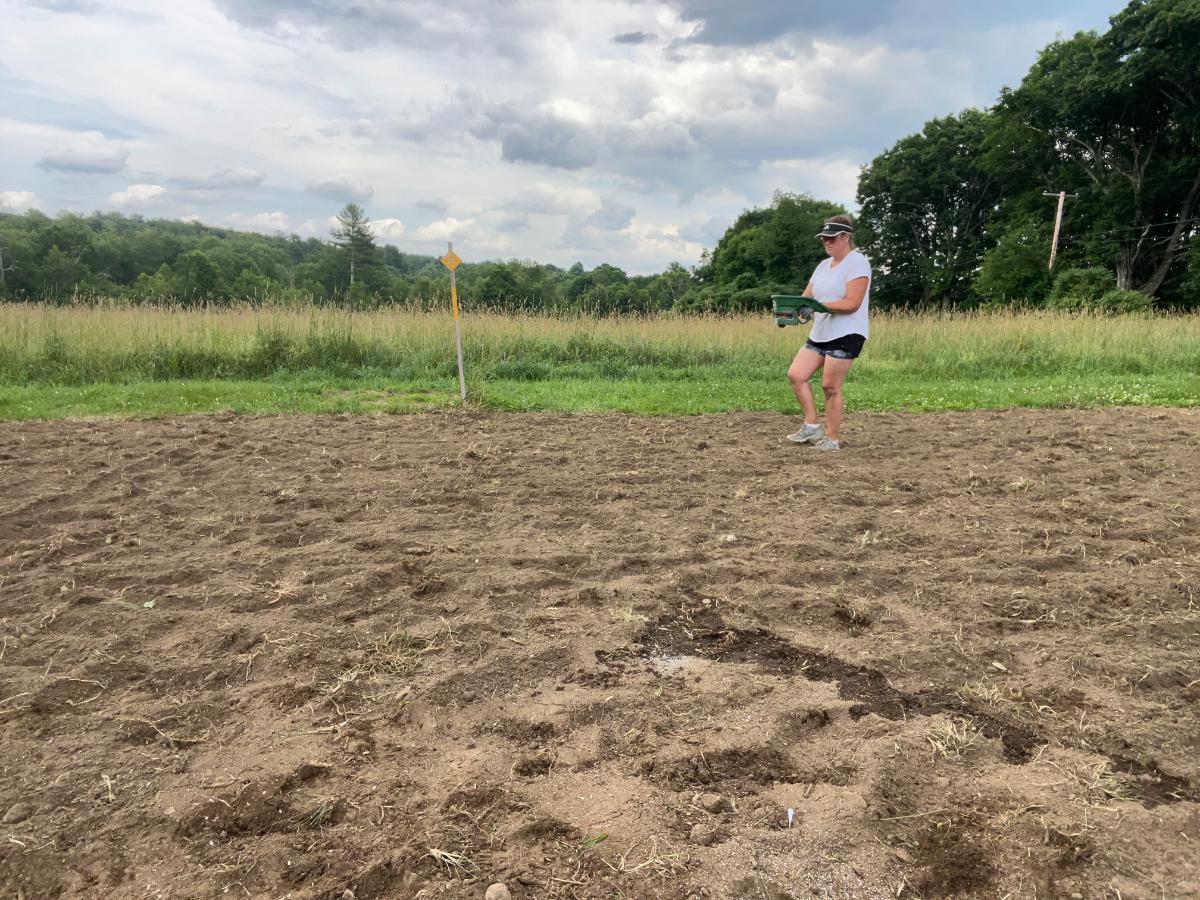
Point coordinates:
[[353, 235]]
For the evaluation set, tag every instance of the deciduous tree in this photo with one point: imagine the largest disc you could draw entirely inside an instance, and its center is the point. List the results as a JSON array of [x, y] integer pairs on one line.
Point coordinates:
[[1114, 118], [926, 207]]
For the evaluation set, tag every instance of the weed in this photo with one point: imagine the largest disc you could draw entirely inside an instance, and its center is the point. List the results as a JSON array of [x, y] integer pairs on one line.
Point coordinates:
[[317, 817], [858, 613], [951, 738], [396, 652], [979, 694], [452, 860], [1096, 782]]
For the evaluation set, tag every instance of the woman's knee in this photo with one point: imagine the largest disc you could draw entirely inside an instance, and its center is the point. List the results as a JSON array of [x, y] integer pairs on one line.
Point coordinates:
[[798, 376], [831, 387]]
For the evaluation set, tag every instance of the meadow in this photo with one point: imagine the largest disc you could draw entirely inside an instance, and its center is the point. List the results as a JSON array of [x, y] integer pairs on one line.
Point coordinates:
[[103, 360]]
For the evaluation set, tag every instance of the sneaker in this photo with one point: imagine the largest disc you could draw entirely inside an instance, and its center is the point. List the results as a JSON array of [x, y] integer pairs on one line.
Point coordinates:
[[827, 443], [807, 434]]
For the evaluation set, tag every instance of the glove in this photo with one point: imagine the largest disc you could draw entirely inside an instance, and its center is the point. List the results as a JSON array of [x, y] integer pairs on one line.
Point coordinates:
[[804, 314]]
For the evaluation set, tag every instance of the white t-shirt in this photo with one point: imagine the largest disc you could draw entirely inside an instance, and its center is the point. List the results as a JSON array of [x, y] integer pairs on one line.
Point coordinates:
[[829, 283]]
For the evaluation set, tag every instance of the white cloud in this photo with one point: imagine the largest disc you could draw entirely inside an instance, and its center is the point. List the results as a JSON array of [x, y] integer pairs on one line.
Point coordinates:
[[543, 198], [222, 179], [264, 222], [18, 201], [342, 190], [137, 194], [470, 238], [663, 242], [89, 153], [833, 178], [307, 228], [445, 229], [612, 216], [388, 230]]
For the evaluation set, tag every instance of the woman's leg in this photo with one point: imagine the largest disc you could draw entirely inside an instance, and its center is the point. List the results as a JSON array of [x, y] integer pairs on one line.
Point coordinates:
[[831, 383], [801, 370]]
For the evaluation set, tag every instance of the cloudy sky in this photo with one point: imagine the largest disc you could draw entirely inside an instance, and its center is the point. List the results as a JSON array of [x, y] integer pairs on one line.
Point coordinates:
[[622, 131]]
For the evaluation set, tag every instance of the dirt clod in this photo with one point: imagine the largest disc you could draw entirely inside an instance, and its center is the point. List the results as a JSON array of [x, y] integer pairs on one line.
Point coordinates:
[[713, 803]]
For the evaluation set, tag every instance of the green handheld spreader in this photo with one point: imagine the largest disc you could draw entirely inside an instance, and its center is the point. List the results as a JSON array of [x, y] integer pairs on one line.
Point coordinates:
[[792, 310]]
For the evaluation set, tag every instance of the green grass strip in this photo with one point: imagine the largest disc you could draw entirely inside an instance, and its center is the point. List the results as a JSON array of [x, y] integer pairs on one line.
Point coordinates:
[[704, 391]]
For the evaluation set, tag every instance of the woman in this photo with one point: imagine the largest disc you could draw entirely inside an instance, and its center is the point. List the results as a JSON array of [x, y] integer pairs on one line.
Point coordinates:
[[843, 283]]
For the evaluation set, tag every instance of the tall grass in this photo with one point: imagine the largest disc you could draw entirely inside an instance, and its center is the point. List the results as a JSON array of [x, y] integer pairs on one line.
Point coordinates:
[[91, 344], [573, 361]]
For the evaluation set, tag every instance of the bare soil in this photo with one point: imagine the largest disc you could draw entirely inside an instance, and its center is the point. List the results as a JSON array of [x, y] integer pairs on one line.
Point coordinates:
[[601, 656]]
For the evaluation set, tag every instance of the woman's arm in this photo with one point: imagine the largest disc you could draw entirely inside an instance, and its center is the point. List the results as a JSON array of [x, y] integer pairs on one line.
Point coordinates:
[[808, 291], [856, 290]]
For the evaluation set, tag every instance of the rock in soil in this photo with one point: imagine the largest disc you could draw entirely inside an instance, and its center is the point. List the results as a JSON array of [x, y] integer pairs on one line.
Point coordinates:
[[704, 835], [18, 812], [498, 891]]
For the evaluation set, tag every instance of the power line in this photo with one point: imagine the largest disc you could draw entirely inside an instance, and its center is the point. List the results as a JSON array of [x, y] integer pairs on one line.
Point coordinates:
[[1124, 228], [1114, 233]]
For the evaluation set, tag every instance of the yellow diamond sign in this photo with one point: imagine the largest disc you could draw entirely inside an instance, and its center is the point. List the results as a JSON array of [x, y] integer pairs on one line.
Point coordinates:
[[451, 260]]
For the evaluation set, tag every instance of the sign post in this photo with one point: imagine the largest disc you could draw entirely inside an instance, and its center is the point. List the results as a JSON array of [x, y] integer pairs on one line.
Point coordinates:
[[452, 261]]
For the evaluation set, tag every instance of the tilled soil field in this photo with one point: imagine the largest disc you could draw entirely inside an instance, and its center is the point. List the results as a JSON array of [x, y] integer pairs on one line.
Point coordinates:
[[601, 656]]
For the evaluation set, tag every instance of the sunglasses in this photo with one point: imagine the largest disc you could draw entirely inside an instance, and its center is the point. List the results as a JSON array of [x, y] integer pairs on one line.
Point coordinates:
[[829, 239]]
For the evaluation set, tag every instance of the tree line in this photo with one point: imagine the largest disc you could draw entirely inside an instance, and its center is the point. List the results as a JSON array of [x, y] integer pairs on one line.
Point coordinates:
[[956, 216], [110, 256]]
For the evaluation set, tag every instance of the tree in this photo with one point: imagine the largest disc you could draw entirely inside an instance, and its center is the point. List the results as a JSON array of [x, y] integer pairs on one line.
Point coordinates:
[[61, 273], [1190, 281], [788, 246], [1015, 269], [354, 237], [1114, 118], [671, 286], [500, 286], [4, 269], [603, 276], [157, 287], [196, 277], [18, 269], [250, 285], [765, 251], [926, 207]]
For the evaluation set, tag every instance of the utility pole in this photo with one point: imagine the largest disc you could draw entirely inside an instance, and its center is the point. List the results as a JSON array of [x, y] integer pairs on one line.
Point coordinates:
[[1062, 199]]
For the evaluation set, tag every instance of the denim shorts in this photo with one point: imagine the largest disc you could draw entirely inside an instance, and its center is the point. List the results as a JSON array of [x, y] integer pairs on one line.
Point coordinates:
[[848, 346]]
